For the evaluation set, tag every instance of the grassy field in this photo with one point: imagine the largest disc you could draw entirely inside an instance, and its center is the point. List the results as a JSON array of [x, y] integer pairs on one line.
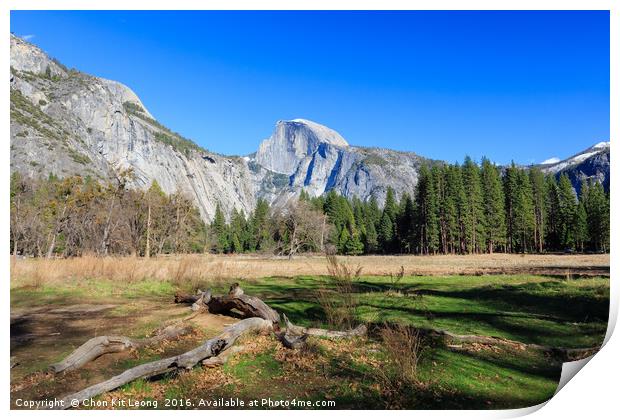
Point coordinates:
[[55, 307]]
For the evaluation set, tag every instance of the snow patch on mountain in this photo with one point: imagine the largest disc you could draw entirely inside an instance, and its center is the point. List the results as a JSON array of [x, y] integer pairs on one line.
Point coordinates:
[[602, 145], [577, 159]]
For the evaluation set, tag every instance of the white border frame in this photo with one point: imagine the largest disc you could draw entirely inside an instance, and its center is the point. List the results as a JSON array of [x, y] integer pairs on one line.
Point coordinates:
[[593, 393]]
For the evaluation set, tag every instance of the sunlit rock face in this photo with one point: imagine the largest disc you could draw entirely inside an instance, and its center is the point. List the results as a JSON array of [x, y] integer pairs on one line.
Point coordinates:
[[318, 159], [293, 141], [70, 123]]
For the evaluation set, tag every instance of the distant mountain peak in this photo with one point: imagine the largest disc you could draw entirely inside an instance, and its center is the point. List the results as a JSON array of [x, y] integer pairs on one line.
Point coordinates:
[[292, 141], [601, 145], [324, 133], [590, 164]]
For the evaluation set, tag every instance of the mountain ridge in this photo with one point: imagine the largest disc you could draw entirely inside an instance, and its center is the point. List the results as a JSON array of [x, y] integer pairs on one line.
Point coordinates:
[[67, 122]]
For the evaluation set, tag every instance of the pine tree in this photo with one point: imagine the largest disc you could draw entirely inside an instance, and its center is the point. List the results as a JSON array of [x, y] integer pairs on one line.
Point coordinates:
[[523, 212], [567, 208], [343, 239], [493, 205], [358, 213], [385, 233], [597, 209], [406, 224], [371, 240], [354, 245], [220, 230], [373, 211], [339, 212], [386, 225], [260, 236], [539, 194], [426, 223], [390, 206], [238, 232], [511, 196], [474, 211], [580, 227], [552, 208], [454, 206]]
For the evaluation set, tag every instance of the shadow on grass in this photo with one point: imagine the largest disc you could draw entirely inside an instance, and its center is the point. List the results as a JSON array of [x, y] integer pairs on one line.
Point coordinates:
[[548, 312], [544, 299]]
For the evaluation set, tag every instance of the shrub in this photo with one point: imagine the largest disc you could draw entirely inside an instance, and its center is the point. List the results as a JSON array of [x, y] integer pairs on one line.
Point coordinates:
[[132, 108], [339, 302], [398, 378]]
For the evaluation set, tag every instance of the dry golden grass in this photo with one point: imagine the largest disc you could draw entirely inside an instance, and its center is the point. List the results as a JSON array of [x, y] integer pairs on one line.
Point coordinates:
[[340, 301], [403, 349], [217, 268]]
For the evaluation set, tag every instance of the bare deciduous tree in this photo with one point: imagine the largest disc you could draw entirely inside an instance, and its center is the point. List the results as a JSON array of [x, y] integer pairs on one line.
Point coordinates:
[[299, 228]]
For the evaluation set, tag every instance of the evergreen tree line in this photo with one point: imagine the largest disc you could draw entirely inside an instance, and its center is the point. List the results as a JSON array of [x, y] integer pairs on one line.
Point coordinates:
[[471, 208], [455, 209]]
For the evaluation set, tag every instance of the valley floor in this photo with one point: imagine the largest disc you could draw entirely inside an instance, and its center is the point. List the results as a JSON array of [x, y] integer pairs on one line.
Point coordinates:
[[559, 301]]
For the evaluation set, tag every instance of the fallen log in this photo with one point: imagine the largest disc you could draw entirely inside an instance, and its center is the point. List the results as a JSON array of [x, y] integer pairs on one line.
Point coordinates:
[[105, 344], [247, 306], [211, 348], [562, 353], [202, 300], [214, 352], [235, 302], [222, 358], [294, 337], [320, 332], [293, 342]]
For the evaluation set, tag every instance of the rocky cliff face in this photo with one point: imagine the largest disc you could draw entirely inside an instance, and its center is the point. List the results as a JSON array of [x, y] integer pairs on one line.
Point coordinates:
[[317, 159], [66, 122], [69, 123], [292, 141], [591, 164]]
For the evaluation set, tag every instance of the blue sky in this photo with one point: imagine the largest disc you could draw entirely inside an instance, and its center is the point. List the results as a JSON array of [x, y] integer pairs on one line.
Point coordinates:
[[508, 85]]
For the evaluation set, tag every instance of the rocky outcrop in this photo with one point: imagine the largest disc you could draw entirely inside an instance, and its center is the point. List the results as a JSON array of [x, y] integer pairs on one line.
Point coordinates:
[[66, 122], [318, 159], [293, 141], [593, 164]]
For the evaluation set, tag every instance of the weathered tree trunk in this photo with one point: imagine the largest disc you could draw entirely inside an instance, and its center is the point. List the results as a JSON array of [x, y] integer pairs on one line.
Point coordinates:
[[98, 346], [147, 250], [249, 306], [50, 249], [360, 330], [562, 353], [222, 358], [210, 348], [323, 233], [56, 231], [15, 223], [291, 250], [292, 341], [235, 302], [180, 297]]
